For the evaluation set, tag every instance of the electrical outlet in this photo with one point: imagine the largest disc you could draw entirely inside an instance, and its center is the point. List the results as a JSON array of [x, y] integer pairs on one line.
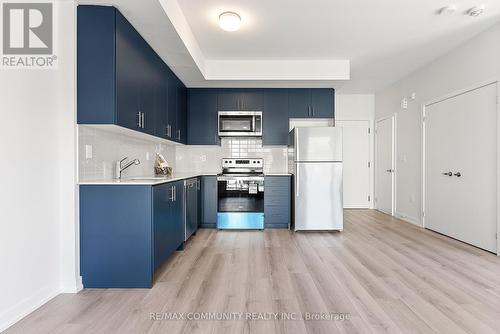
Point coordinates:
[[88, 152]]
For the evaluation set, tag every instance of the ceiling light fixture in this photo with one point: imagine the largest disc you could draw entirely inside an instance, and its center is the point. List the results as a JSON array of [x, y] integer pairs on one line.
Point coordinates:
[[476, 11], [229, 21], [448, 10]]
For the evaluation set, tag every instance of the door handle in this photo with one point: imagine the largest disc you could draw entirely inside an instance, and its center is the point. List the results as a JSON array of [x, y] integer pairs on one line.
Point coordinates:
[[457, 174], [390, 171], [448, 174]]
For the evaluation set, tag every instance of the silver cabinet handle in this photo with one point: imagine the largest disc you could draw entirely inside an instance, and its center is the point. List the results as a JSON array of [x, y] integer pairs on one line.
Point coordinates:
[[172, 192], [142, 120], [178, 134], [448, 173], [198, 183], [458, 174], [175, 193], [390, 171], [139, 124]]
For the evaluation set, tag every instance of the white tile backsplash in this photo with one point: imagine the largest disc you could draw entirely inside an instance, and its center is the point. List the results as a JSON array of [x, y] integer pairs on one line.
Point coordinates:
[[207, 159], [109, 147]]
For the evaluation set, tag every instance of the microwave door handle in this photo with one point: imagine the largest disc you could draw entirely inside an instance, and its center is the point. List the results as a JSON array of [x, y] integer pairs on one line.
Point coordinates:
[[253, 123]]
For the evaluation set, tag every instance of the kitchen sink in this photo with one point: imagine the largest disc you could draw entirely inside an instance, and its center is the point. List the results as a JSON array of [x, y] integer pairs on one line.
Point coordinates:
[[152, 178]]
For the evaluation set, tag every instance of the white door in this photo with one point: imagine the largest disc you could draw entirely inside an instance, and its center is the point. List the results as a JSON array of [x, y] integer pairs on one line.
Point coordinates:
[[356, 157], [384, 165], [461, 137]]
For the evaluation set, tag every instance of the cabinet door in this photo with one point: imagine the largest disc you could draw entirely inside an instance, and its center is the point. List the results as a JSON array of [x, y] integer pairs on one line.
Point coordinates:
[[181, 112], [251, 99], [163, 238], [229, 100], [275, 117], [299, 103], [322, 103], [209, 201], [202, 117], [128, 71], [96, 70], [172, 103], [178, 214], [147, 92], [161, 103]]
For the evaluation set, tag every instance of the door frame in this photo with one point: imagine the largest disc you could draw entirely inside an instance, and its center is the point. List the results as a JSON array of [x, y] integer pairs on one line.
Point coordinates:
[[448, 96], [393, 117]]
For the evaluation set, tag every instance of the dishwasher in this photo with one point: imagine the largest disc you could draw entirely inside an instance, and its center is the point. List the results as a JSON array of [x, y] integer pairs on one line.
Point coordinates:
[[192, 193]]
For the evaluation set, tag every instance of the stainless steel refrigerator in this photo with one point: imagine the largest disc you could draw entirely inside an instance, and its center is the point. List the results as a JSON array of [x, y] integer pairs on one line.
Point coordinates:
[[315, 161]]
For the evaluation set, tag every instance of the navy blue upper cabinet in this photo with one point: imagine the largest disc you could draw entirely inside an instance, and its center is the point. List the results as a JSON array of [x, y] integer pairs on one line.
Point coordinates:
[[323, 103], [96, 70], [121, 80], [235, 99], [300, 103], [202, 117], [181, 107], [161, 100], [275, 123], [313, 103]]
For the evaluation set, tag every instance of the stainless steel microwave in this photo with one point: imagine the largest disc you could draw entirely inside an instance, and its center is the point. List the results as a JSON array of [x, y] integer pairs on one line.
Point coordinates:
[[240, 123]]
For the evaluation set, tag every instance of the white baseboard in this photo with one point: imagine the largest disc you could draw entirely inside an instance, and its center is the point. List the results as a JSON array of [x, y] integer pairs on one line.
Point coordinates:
[[408, 219], [74, 287], [26, 306]]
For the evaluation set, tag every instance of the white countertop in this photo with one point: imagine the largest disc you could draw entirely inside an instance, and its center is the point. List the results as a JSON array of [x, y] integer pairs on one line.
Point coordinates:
[[143, 180], [152, 180]]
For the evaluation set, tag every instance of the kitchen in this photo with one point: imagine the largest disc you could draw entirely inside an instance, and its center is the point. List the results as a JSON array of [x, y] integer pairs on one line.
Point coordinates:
[[205, 176]]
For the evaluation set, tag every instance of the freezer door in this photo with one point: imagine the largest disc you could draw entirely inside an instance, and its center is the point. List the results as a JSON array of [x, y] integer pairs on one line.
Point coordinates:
[[318, 196], [318, 144]]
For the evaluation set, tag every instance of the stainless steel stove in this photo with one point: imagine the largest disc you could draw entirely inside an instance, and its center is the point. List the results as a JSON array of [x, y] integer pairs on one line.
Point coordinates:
[[241, 194]]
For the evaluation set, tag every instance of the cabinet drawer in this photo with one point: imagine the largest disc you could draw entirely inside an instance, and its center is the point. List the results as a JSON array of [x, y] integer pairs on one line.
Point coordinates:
[[276, 181], [278, 198], [277, 214]]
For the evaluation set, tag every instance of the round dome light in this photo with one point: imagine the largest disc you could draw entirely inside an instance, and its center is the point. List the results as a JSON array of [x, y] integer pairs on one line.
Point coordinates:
[[229, 21]]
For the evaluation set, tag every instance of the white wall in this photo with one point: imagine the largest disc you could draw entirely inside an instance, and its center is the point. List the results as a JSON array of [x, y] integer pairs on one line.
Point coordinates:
[[349, 107], [37, 192], [475, 61]]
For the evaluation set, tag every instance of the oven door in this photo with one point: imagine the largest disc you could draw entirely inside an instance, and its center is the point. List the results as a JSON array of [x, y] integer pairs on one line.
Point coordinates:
[[240, 204], [235, 124]]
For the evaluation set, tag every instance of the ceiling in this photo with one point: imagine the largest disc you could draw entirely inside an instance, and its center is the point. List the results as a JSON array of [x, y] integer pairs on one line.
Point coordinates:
[[316, 42]]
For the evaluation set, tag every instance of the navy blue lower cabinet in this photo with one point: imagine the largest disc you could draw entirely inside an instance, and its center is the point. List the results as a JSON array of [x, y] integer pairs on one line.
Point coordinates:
[[126, 232], [277, 201], [209, 201], [115, 236], [168, 222]]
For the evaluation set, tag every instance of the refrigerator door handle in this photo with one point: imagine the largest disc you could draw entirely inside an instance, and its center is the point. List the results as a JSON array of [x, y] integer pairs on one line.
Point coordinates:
[[297, 182]]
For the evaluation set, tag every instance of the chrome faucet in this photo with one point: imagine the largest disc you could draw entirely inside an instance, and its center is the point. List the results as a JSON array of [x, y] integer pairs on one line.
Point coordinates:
[[120, 168]]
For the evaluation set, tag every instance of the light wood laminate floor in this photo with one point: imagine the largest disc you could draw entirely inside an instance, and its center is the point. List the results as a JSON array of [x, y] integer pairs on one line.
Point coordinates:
[[386, 275]]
